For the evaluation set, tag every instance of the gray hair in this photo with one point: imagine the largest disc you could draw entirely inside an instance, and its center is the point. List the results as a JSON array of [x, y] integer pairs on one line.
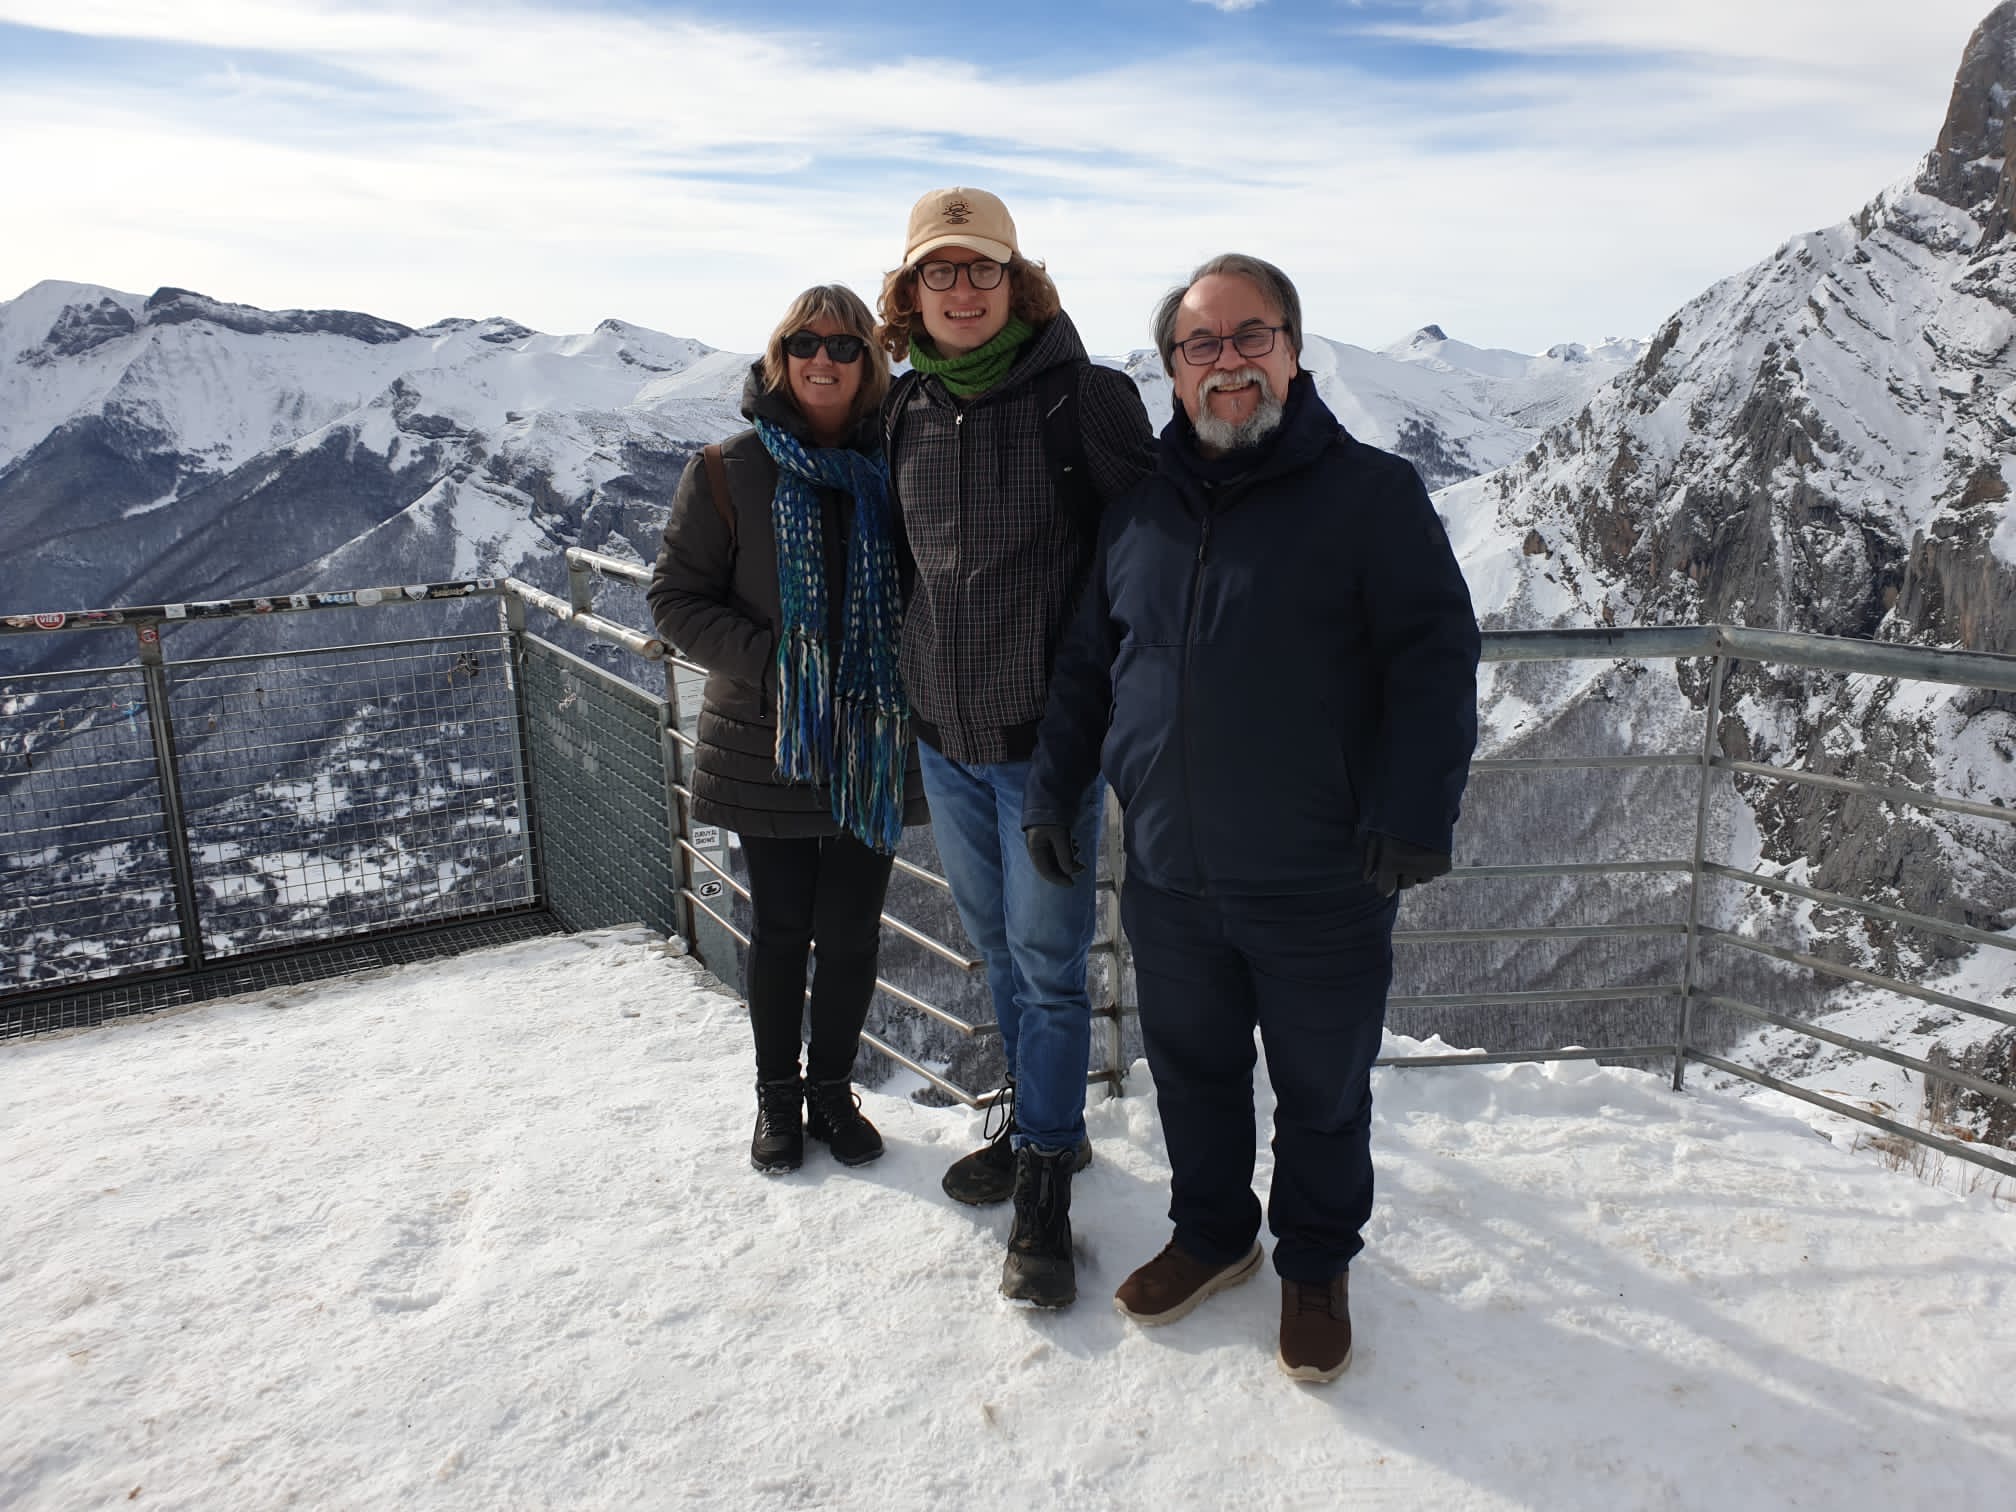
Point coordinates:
[[1270, 280]]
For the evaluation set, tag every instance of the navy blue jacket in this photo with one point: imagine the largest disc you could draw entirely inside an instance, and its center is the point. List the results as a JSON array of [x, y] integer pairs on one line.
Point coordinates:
[[1275, 655]]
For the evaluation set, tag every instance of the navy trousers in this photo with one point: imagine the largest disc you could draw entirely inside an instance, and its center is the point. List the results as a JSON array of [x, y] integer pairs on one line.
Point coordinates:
[[1311, 972]]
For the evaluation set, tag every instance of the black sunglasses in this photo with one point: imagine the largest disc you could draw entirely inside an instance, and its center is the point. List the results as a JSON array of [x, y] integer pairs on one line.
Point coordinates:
[[842, 348]]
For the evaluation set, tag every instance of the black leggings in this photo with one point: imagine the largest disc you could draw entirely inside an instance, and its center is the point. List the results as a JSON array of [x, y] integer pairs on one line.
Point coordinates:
[[804, 892]]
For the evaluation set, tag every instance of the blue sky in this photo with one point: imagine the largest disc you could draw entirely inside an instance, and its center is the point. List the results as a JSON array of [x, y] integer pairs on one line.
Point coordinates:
[[1520, 171]]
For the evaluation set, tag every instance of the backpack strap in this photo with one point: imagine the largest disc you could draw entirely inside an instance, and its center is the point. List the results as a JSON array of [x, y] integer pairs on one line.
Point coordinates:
[[1063, 431], [717, 484], [894, 405]]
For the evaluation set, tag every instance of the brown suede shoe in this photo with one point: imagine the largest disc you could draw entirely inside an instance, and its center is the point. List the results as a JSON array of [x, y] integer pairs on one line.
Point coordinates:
[[1174, 1282], [1315, 1328]]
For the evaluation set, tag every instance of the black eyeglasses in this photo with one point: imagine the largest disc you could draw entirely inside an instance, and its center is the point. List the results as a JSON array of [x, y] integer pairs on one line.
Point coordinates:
[[939, 276], [841, 348], [1254, 341]]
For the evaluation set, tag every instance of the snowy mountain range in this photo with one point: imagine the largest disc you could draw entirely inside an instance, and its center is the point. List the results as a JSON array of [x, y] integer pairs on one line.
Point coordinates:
[[175, 446]]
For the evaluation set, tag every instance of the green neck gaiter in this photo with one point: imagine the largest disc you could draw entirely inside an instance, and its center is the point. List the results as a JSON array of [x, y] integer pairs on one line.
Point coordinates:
[[979, 370]]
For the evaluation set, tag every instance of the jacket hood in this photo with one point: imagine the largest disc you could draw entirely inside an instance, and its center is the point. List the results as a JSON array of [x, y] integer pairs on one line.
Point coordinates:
[[1307, 427], [761, 402]]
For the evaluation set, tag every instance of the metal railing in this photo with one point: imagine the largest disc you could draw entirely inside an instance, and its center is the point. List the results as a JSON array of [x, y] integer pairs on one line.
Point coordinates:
[[178, 813], [158, 815]]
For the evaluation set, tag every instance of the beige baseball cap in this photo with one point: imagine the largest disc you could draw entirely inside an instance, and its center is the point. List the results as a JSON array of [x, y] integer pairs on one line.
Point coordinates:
[[970, 218]]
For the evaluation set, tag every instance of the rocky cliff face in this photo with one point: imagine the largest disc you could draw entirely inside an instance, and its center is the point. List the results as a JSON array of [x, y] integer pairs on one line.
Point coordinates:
[[1827, 443]]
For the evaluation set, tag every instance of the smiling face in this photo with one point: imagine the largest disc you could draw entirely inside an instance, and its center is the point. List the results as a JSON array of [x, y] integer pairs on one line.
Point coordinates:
[[963, 319], [824, 390], [1233, 401]]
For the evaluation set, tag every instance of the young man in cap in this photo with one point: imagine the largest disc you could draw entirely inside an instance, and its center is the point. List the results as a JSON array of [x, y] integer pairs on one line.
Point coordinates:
[[1002, 453]]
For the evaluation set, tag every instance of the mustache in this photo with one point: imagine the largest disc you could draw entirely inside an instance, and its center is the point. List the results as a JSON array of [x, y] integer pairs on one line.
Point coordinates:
[[1219, 378]]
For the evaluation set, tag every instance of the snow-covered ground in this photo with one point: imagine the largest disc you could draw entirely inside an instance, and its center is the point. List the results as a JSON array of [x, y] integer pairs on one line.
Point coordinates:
[[483, 1233]]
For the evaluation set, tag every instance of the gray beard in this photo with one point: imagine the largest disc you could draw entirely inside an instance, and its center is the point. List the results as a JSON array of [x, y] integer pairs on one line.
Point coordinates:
[[1216, 437]]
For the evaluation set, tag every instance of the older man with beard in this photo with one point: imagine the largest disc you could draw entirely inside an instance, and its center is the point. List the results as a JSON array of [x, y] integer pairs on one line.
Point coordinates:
[[1275, 662]]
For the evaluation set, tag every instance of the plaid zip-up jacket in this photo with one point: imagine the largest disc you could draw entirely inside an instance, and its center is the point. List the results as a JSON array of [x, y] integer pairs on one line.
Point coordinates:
[[999, 562]]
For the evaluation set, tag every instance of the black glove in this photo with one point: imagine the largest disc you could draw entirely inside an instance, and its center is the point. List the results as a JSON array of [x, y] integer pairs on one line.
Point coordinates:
[[1052, 853], [1392, 864]]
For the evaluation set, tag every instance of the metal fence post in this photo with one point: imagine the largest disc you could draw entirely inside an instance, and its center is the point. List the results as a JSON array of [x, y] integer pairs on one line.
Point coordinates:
[[580, 586], [1710, 720], [512, 613], [154, 671], [677, 777]]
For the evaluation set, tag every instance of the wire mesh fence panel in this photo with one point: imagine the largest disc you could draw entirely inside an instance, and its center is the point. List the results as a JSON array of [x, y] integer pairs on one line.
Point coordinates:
[[87, 888], [338, 791], [599, 782]]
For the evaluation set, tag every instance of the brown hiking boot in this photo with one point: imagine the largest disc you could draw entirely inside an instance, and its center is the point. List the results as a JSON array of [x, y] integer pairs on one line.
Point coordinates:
[[1315, 1328], [1172, 1284]]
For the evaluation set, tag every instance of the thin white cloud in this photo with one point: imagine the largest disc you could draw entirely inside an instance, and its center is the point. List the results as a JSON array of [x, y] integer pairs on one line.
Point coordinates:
[[562, 166], [1230, 7], [1898, 38]]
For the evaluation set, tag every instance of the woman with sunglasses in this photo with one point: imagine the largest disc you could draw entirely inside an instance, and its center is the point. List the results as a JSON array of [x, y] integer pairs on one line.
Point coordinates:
[[1002, 454], [779, 573]]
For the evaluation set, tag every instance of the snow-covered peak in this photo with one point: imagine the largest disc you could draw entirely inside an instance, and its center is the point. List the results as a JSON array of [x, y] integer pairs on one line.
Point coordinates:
[[1432, 347], [38, 317]]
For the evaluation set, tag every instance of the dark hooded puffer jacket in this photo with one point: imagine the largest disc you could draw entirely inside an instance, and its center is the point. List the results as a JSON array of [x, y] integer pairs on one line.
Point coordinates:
[[714, 595]]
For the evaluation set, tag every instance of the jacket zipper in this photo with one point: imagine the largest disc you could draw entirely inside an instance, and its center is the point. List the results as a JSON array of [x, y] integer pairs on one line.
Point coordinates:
[[954, 651], [1183, 713]]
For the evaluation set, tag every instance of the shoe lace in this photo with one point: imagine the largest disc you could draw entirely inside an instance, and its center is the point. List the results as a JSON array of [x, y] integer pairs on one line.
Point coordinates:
[[777, 1105], [1036, 1200], [1312, 1297], [839, 1104], [1000, 1116]]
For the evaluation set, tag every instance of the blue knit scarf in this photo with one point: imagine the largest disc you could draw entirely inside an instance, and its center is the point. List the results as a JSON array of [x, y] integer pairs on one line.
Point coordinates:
[[846, 728]]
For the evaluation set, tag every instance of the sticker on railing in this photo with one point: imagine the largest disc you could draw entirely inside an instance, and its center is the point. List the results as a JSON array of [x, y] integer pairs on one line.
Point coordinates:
[[709, 889]]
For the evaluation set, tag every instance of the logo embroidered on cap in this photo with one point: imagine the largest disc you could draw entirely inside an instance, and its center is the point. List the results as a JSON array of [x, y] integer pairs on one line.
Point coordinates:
[[958, 213]]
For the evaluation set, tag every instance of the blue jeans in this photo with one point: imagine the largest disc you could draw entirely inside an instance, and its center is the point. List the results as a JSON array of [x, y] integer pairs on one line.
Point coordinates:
[[1033, 935]]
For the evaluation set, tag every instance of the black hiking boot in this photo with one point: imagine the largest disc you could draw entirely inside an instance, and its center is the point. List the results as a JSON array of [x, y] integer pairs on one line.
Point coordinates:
[[779, 1144], [833, 1116], [987, 1176], [1039, 1269]]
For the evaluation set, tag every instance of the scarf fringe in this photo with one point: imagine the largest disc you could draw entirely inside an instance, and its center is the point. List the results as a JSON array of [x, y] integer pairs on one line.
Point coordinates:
[[868, 782], [804, 709]]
